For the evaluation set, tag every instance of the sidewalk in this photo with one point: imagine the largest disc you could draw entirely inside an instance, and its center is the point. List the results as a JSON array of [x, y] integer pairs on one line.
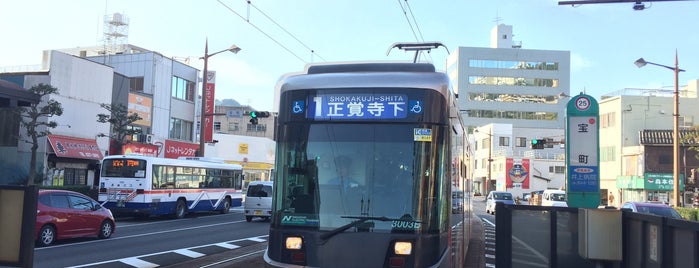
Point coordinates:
[[475, 257]]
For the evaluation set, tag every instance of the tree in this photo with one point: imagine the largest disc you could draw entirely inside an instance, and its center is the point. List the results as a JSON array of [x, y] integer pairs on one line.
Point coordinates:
[[119, 119], [35, 120], [691, 138]]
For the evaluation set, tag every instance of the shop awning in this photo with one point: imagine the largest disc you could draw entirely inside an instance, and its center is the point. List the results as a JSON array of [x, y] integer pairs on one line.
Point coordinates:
[[71, 147]]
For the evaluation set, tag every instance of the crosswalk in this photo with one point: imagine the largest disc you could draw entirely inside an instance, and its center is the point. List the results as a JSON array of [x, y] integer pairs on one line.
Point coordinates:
[[171, 257]]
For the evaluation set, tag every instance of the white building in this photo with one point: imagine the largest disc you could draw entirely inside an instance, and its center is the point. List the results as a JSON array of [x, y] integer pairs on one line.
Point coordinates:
[[71, 154], [520, 93], [629, 158], [508, 84]]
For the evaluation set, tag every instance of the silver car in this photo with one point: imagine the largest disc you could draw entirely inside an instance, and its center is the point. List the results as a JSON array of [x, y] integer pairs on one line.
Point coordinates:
[[495, 197]]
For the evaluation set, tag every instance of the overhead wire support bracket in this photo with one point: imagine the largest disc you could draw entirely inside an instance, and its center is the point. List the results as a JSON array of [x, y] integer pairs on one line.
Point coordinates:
[[417, 47]]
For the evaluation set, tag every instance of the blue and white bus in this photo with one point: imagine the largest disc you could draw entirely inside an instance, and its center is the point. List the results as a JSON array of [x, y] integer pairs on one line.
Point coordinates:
[[142, 186], [364, 169]]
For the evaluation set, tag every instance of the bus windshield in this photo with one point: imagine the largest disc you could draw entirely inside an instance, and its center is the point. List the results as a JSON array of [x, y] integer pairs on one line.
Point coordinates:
[[341, 171]]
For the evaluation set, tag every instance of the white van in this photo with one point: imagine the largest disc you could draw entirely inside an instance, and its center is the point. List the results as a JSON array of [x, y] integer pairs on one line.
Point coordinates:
[[258, 200], [554, 198]]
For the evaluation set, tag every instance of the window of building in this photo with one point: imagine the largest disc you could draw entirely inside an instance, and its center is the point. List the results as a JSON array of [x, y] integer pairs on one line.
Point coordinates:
[[74, 176], [512, 81], [233, 126], [521, 142], [686, 122], [257, 128], [665, 159], [136, 84], [514, 98], [521, 115], [183, 89], [485, 143], [607, 120], [180, 129], [217, 126], [9, 131], [504, 141], [557, 169], [607, 153], [508, 64]]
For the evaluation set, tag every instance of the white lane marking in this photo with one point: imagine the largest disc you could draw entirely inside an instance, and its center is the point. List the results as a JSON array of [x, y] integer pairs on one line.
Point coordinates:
[[138, 263], [136, 259], [257, 239], [189, 253], [227, 246]]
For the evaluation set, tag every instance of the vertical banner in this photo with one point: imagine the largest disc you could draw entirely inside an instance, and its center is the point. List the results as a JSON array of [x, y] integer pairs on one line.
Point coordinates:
[[517, 173], [209, 96], [582, 152]]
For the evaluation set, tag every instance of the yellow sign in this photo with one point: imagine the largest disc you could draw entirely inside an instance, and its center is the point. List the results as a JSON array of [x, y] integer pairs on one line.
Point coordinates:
[[243, 148]]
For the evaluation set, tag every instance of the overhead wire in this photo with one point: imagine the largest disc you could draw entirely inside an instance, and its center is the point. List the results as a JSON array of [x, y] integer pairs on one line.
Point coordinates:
[[263, 32], [287, 32], [420, 38]]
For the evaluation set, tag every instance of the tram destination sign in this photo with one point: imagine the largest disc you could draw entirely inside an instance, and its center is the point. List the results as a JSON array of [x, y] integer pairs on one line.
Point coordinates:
[[361, 106]]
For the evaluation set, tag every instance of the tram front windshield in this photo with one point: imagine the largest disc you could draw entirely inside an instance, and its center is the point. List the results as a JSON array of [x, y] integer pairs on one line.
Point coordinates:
[[332, 174]]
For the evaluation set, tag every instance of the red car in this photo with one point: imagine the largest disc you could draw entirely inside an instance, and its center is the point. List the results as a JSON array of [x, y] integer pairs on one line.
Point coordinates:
[[65, 214]]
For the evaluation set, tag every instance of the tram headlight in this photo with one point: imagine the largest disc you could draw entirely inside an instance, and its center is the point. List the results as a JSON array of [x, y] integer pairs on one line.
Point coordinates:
[[403, 248], [294, 242]]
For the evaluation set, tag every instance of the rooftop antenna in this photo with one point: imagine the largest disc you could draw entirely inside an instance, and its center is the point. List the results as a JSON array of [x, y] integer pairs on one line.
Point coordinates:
[[417, 47], [116, 32]]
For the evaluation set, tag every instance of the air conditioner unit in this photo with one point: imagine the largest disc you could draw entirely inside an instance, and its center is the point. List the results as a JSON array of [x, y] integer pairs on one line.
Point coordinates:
[[149, 138]]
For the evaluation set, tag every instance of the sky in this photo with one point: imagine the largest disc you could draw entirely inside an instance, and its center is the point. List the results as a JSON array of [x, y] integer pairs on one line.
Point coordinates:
[[282, 36]]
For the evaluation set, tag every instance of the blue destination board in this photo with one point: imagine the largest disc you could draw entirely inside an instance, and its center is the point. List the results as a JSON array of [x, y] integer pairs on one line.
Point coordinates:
[[360, 106], [583, 179]]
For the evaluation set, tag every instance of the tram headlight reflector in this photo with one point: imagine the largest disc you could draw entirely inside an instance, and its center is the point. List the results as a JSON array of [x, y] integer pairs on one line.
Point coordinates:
[[294, 242], [403, 248]]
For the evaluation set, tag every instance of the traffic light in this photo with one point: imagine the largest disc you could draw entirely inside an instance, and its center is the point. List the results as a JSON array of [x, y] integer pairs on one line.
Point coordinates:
[[253, 118], [538, 144], [255, 115]]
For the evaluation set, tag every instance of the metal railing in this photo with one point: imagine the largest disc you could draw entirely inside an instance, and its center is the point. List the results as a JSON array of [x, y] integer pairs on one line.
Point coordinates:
[[536, 236]]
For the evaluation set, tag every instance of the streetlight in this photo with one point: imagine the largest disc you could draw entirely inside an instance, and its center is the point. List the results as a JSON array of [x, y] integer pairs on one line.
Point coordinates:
[[202, 125], [675, 128], [490, 157]]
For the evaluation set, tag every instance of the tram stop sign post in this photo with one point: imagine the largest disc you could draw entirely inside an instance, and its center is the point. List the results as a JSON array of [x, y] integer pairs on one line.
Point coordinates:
[[582, 152]]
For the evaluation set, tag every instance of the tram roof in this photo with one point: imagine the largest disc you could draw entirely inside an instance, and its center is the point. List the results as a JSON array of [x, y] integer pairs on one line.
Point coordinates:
[[346, 67], [366, 74]]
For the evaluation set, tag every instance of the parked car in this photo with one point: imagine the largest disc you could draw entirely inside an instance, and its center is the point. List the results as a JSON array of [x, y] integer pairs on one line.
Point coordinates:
[[65, 214], [554, 198], [258, 200], [495, 197], [659, 209]]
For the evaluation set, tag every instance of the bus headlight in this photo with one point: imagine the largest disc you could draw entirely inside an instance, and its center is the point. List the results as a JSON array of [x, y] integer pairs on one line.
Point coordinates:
[[294, 242], [403, 248]]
